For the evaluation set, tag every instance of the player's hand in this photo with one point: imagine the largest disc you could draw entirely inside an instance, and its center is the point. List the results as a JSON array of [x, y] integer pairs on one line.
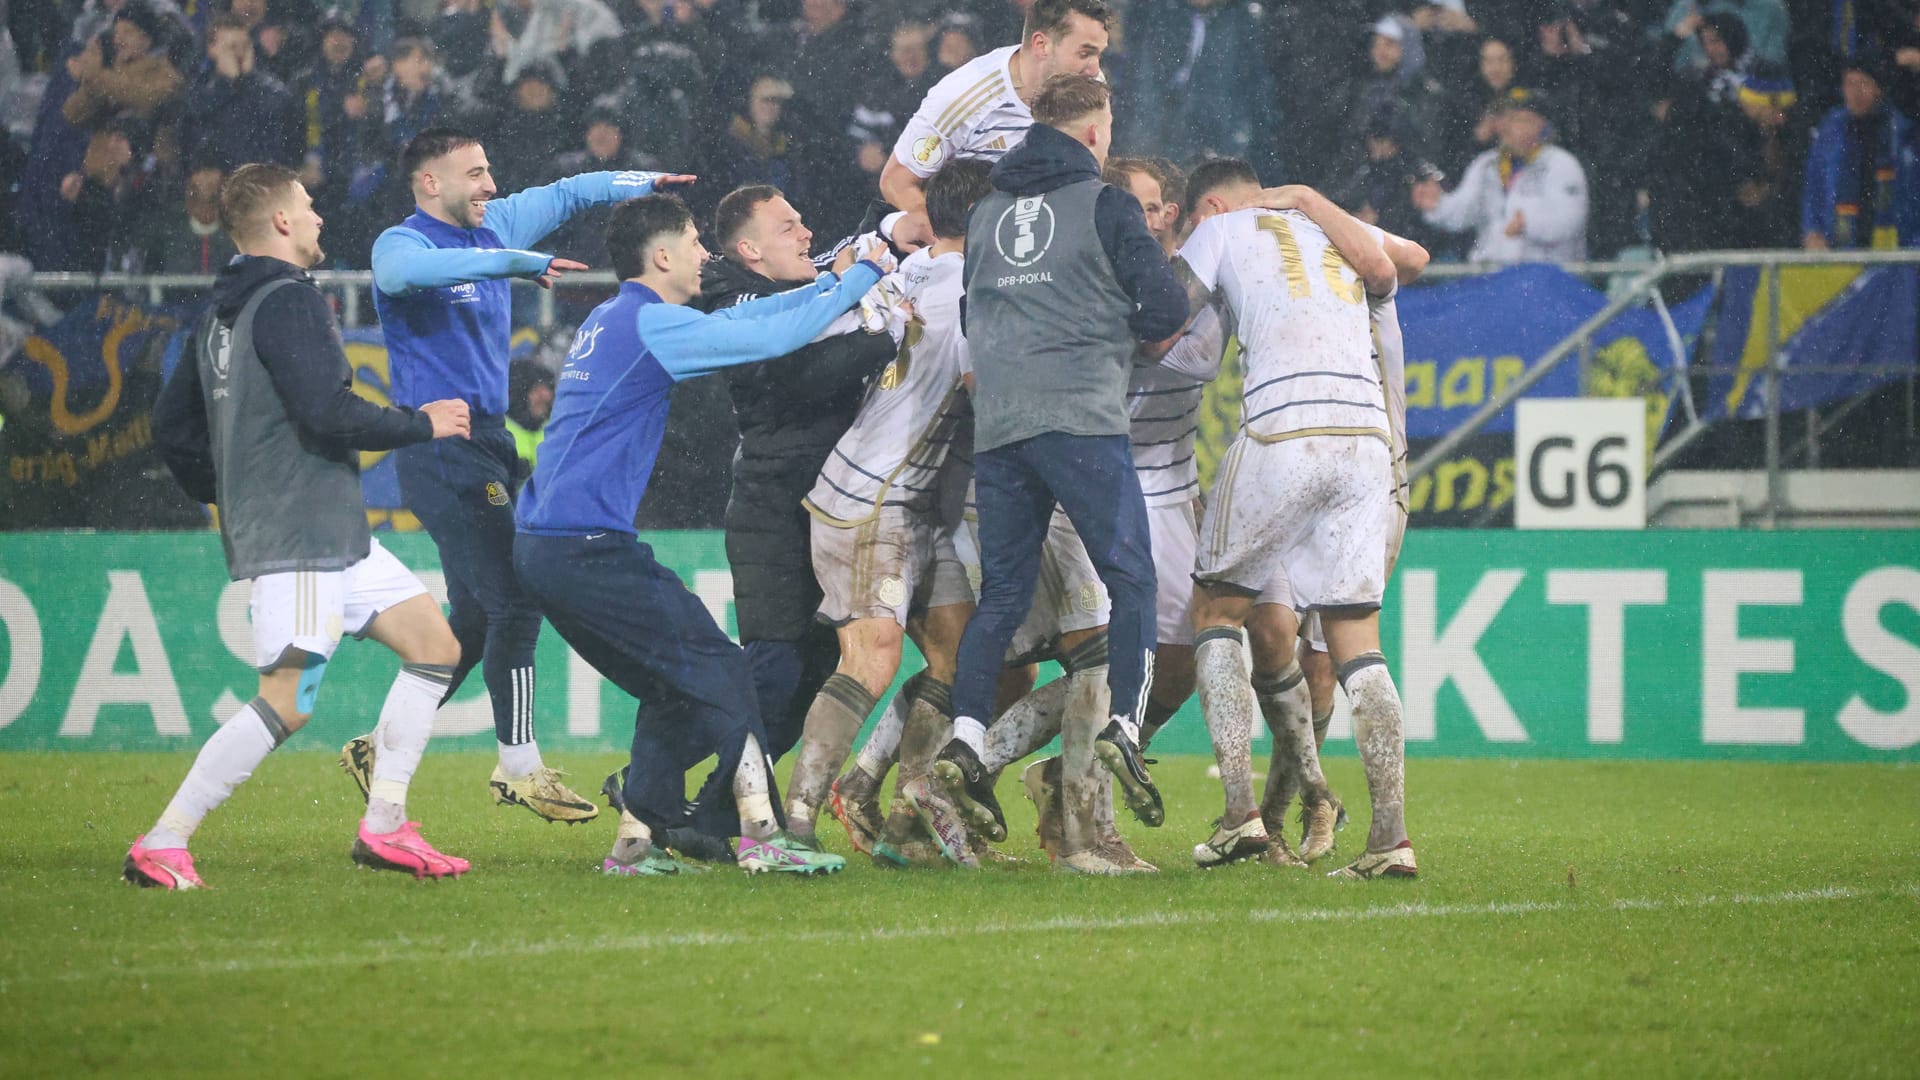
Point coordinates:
[[555, 269], [1286, 197], [661, 180], [869, 247], [1518, 225], [913, 232], [449, 418], [843, 260]]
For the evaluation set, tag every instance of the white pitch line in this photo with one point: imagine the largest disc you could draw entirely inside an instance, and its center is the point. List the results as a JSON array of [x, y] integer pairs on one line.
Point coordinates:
[[414, 950]]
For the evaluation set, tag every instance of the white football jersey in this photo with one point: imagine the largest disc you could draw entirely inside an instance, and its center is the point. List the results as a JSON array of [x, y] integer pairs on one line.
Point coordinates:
[[972, 113], [1306, 348], [1390, 352], [893, 452], [1164, 402]]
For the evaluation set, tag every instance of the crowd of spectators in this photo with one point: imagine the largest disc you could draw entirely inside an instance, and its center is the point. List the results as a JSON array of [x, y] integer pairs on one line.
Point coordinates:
[[1500, 129]]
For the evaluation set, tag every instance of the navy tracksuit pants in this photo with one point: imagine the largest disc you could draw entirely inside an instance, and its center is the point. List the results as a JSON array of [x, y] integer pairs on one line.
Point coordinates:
[[1015, 489], [639, 625], [462, 491]]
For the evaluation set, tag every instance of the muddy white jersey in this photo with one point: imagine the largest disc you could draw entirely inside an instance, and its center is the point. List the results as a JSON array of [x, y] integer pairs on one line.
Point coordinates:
[[972, 113], [1300, 313], [1390, 353], [899, 439], [1163, 401]]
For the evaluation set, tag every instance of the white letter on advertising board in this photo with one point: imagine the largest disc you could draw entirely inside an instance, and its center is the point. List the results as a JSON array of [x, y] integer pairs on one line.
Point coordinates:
[[23, 652], [1725, 656], [127, 616], [1876, 646], [1606, 593], [1431, 658]]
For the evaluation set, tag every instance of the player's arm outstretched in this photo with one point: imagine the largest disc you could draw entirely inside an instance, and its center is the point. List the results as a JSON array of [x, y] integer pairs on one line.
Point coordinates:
[[405, 261], [689, 343], [298, 346], [525, 218]]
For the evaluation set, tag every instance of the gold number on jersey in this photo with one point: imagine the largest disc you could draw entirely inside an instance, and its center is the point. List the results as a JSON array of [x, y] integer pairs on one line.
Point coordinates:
[[896, 370], [1332, 263], [1290, 258]]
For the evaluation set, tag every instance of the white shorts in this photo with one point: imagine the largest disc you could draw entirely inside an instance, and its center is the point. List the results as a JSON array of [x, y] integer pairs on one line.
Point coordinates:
[[896, 563], [1302, 521], [1175, 533], [311, 610], [1280, 591], [1069, 595]]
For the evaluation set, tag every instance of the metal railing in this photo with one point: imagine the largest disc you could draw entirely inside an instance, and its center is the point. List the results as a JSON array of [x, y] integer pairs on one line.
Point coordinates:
[[352, 286], [1644, 287]]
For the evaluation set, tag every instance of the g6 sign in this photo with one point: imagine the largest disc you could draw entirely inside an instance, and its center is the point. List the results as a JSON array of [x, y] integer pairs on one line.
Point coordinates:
[[1583, 463]]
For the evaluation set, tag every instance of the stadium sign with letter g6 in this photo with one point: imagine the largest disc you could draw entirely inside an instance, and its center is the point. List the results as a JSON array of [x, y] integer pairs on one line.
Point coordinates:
[[1582, 463], [1785, 646]]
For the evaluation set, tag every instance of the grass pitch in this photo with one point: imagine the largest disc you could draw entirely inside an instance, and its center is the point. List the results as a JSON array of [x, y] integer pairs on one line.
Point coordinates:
[[1606, 919]]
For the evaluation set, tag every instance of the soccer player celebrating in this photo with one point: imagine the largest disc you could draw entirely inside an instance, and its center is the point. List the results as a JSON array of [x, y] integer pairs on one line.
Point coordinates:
[[441, 290], [262, 422], [982, 108], [1303, 496], [880, 551], [1164, 404], [1275, 634], [578, 557]]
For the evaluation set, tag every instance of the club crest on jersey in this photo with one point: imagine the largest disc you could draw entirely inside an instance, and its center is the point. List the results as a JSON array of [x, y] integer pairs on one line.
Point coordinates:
[[496, 493], [1024, 231], [927, 150]]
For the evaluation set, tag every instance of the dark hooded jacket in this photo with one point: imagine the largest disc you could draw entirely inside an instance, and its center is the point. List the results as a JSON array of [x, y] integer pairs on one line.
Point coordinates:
[[791, 411], [298, 345]]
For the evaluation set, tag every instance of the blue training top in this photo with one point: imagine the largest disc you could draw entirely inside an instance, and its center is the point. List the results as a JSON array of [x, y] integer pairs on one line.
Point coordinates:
[[610, 402], [441, 291]]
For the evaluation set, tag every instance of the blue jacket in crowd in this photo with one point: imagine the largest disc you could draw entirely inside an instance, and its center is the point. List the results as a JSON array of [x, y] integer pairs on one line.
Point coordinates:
[[1832, 162], [442, 295]]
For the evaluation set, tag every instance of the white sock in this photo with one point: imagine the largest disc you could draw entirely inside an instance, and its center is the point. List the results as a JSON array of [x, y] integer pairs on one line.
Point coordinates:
[[972, 732], [632, 840], [406, 722], [521, 759], [1228, 703], [750, 792], [226, 760], [1382, 744], [881, 747], [1028, 725]]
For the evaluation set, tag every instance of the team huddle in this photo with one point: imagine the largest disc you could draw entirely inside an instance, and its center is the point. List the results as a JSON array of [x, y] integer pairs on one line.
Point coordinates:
[[1016, 484]]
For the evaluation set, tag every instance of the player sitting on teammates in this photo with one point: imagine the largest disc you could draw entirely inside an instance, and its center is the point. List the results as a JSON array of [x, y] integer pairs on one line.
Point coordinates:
[[1303, 496], [262, 421], [981, 109]]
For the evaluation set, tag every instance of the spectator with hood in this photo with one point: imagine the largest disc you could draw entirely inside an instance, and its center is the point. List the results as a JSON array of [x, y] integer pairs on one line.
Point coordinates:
[[135, 92], [1862, 180]]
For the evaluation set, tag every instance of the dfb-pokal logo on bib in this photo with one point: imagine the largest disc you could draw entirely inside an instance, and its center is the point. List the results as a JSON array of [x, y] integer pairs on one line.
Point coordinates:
[[222, 351], [1025, 231]]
